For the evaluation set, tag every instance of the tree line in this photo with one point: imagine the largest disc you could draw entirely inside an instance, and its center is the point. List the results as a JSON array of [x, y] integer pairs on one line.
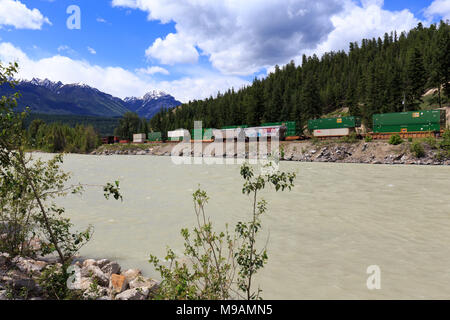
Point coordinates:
[[389, 74], [57, 137]]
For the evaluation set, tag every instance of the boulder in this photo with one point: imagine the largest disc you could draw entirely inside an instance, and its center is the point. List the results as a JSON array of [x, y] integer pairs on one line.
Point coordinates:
[[3, 295], [88, 262], [111, 268], [141, 282], [102, 263], [96, 273], [118, 283], [131, 274], [29, 265], [134, 294]]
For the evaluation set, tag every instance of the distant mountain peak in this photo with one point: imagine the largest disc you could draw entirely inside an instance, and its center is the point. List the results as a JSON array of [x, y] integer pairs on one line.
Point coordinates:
[[46, 96]]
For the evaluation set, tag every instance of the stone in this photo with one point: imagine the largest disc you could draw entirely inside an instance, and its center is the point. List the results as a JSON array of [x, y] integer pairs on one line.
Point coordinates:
[[94, 294], [3, 295], [102, 263], [118, 283], [18, 284], [111, 268], [134, 294], [132, 274], [141, 282], [95, 273], [29, 265], [88, 262]]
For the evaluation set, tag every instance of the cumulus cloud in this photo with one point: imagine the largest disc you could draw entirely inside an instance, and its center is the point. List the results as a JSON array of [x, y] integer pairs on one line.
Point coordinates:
[[15, 13], [367, 21], [153, 70], [115, 80], [439, 8], [173, 49], [239, 37]]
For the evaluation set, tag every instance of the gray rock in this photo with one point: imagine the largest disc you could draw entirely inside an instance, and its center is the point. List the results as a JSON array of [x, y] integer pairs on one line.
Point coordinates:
[[3, 295], [141, 282], [134, 294], [111, 268], [102, 263], [95, 273]]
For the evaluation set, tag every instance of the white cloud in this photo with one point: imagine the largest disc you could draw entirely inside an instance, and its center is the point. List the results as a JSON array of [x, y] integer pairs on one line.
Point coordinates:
[[355, 23], [91, 50], [16, 14], [153, 70], [440, 8], [173, 49], [240, 37], [115, 80], [243, 37], [101, 20]]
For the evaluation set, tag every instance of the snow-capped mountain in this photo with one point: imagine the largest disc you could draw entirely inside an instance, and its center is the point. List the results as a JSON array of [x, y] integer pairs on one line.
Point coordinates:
[[151, 103], [46, 96]]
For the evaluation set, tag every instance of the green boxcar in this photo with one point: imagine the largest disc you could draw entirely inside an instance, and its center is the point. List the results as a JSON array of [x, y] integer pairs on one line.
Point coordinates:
[[334, 123], [154, 136], [412, 121], [207, 134], [291, 127]]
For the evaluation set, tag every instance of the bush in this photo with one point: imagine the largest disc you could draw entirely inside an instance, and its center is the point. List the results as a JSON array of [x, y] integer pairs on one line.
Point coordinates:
[[351, 138], [417, 149], [410, 139], [395, 140], [213, 260], [368, 138], [430, 141], [445, 143]]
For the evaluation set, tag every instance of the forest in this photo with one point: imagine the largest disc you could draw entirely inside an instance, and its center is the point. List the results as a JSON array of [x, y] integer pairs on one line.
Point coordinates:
[[57, 137], [389, 74]]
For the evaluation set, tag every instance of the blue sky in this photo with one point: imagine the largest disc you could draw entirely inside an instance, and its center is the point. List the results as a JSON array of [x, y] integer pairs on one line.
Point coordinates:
[[191, 49]]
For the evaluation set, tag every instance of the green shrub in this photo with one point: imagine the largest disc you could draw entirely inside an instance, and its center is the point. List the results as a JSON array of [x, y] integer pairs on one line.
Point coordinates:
[[445, 143], [431, 141], [368, 138], [410, 139], [417, 149], [351, 138], [222, 265], [395, 140]]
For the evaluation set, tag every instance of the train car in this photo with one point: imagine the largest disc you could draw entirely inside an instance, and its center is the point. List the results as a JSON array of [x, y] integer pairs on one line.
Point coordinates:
[[229, 133], [178, 135], [206, 135], [411, 124], [291, 129], [154, 137], [139, 138], [108, 140], [268, 132], [334, 127]]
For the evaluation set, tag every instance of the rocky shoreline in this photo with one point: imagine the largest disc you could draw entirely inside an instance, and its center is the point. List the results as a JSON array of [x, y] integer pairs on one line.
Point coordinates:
[[378, 152], [91, 279]]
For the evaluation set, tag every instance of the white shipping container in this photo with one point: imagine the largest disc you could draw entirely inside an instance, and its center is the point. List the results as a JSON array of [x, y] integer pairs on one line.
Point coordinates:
[[229, 134], [256, 132], [139, 137], [179, 133], [332, 132]]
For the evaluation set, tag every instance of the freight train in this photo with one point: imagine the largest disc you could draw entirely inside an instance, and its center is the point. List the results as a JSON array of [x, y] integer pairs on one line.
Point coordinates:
[[413, 124]]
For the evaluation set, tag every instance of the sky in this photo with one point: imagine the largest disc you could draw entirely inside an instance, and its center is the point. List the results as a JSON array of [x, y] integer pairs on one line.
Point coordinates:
[[191, 49]]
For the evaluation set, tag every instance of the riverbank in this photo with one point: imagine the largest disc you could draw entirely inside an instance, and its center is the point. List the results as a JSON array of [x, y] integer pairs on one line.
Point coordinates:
[[376, 152], [21, 278]]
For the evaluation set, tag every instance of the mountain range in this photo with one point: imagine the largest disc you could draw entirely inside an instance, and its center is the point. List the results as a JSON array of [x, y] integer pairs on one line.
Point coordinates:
[[48, 97]]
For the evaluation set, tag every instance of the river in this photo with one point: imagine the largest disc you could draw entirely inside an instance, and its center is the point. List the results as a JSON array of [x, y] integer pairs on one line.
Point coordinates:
[[322, 236]]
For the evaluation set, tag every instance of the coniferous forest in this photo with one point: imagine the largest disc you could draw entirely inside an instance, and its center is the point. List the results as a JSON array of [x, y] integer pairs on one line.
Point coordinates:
[[389, 74]]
